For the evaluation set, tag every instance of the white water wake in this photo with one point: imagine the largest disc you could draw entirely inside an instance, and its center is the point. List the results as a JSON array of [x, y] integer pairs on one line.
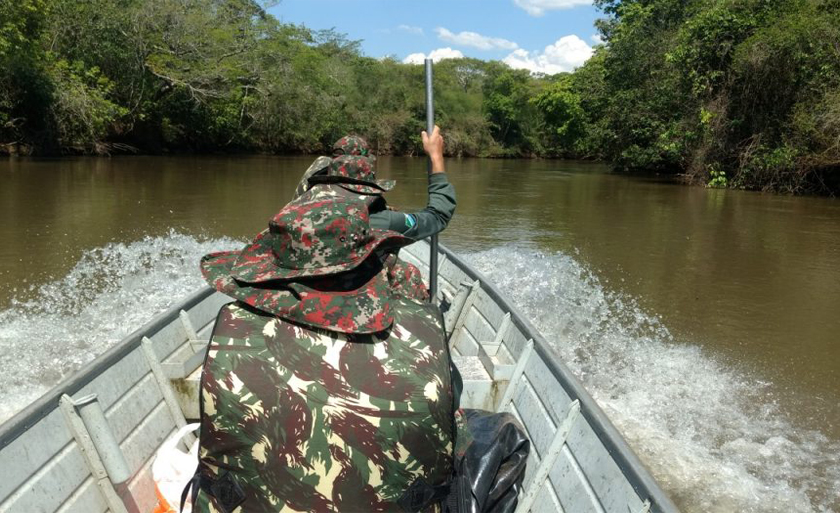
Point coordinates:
[[712, 436], [109, 293]]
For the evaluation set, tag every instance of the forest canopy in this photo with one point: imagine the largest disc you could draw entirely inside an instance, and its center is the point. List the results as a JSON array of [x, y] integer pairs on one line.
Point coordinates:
[[737, 93]]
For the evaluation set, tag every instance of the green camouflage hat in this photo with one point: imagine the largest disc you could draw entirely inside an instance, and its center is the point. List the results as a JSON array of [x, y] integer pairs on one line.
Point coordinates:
[[357, 302], [325, 302], [313, 237], [354, 173], [351, 145], [314, 265]]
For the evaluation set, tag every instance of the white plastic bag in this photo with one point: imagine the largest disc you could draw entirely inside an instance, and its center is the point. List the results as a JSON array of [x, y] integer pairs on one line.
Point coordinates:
[[172, 469]]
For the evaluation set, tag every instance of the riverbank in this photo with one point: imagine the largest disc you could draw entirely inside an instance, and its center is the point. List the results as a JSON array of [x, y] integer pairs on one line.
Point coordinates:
[[828, 185], [743, 95]]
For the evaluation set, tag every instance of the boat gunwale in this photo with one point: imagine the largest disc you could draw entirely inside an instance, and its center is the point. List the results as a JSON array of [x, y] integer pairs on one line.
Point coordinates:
[[637, 474], [19, 423]]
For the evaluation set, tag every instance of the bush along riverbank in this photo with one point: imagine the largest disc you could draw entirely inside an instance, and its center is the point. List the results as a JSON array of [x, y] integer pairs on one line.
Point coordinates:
[[729, 93], [736, 93]]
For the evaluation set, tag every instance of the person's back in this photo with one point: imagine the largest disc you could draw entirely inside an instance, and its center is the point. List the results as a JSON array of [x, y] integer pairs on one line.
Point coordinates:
[[324, 421], [322, 390]]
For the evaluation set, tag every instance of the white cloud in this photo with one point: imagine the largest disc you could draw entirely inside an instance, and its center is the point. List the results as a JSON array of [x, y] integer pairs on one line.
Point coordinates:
[[417, 31], [566, 54], [475, 40], [596, 39], [415, 58], [436, 56], [445, 53], [539, 7]]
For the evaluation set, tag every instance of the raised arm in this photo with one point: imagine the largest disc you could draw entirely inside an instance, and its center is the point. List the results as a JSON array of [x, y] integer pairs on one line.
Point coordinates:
[[441, 206]]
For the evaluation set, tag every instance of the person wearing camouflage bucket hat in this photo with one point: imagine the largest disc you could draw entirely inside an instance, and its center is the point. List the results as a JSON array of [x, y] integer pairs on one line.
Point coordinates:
[[324, 388], [354, 171], [347, 145]]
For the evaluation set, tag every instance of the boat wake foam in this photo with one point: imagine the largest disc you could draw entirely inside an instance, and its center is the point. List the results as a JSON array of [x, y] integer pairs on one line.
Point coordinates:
[[712, 436], [109, 293]]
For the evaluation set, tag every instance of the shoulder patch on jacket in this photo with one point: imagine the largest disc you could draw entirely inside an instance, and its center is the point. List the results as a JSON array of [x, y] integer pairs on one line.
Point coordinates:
[[410, 221]]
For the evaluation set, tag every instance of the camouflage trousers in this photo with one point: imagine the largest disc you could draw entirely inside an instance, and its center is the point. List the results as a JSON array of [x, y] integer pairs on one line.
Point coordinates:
[[296, 419]]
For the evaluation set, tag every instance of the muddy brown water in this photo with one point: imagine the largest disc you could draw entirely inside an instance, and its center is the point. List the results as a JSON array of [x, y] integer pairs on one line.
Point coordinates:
[[750, 281]]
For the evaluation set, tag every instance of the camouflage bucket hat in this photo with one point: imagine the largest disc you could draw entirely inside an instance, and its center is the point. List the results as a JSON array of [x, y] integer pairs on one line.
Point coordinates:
[[313, 237], [354, 173], [351, 145], [358, 302]]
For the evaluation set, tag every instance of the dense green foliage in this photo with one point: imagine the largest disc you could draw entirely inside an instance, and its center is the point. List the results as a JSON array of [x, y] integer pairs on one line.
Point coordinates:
[[739, 93], [728, 93], [223, 75]]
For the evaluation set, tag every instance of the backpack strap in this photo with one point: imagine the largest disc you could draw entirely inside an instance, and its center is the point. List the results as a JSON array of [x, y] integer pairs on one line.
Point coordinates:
[[459, 499], [421, 495], [191, 489], [225, 490]]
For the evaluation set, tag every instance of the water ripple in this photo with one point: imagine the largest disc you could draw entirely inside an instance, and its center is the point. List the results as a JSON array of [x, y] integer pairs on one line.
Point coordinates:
[[109, 293]]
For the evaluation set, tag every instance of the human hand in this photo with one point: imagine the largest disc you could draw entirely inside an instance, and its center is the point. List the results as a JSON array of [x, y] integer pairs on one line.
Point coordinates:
[[433, 146]]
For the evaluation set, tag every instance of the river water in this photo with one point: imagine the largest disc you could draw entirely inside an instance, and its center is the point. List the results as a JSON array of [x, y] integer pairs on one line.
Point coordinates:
[[705, 322]]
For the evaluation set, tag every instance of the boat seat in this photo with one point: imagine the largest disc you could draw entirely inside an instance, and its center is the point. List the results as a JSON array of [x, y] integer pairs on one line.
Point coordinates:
[[185, 360], [486, 368], [479, 391], [183, 366], [187, 391], [499, 364]]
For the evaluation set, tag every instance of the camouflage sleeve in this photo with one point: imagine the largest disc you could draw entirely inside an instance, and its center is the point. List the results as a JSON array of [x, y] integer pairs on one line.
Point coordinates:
[[429, 221]]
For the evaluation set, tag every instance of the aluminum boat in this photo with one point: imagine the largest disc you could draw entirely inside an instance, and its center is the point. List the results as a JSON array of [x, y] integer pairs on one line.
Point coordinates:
[[88, 444]]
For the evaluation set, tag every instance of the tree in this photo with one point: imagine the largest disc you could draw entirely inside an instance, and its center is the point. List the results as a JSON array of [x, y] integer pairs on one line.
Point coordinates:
[[507, 107], [564, 118], [25, 88]]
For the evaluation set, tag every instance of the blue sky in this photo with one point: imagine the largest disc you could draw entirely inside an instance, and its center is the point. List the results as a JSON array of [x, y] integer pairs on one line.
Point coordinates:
[[541, 35]]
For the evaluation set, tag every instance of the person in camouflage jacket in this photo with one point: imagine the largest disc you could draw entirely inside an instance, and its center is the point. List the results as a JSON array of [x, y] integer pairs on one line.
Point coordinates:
[[352, 168], [349, 145], [324, 388], [353, 162]]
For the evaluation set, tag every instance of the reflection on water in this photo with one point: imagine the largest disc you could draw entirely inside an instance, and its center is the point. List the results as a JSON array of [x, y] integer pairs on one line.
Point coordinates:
[[746, 285]]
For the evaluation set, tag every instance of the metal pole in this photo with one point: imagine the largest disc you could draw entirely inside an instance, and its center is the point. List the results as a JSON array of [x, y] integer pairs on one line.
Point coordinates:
[[430, 126]]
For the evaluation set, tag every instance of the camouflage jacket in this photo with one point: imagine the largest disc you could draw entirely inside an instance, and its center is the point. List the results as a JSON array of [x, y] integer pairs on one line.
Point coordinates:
[[295, 419]]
